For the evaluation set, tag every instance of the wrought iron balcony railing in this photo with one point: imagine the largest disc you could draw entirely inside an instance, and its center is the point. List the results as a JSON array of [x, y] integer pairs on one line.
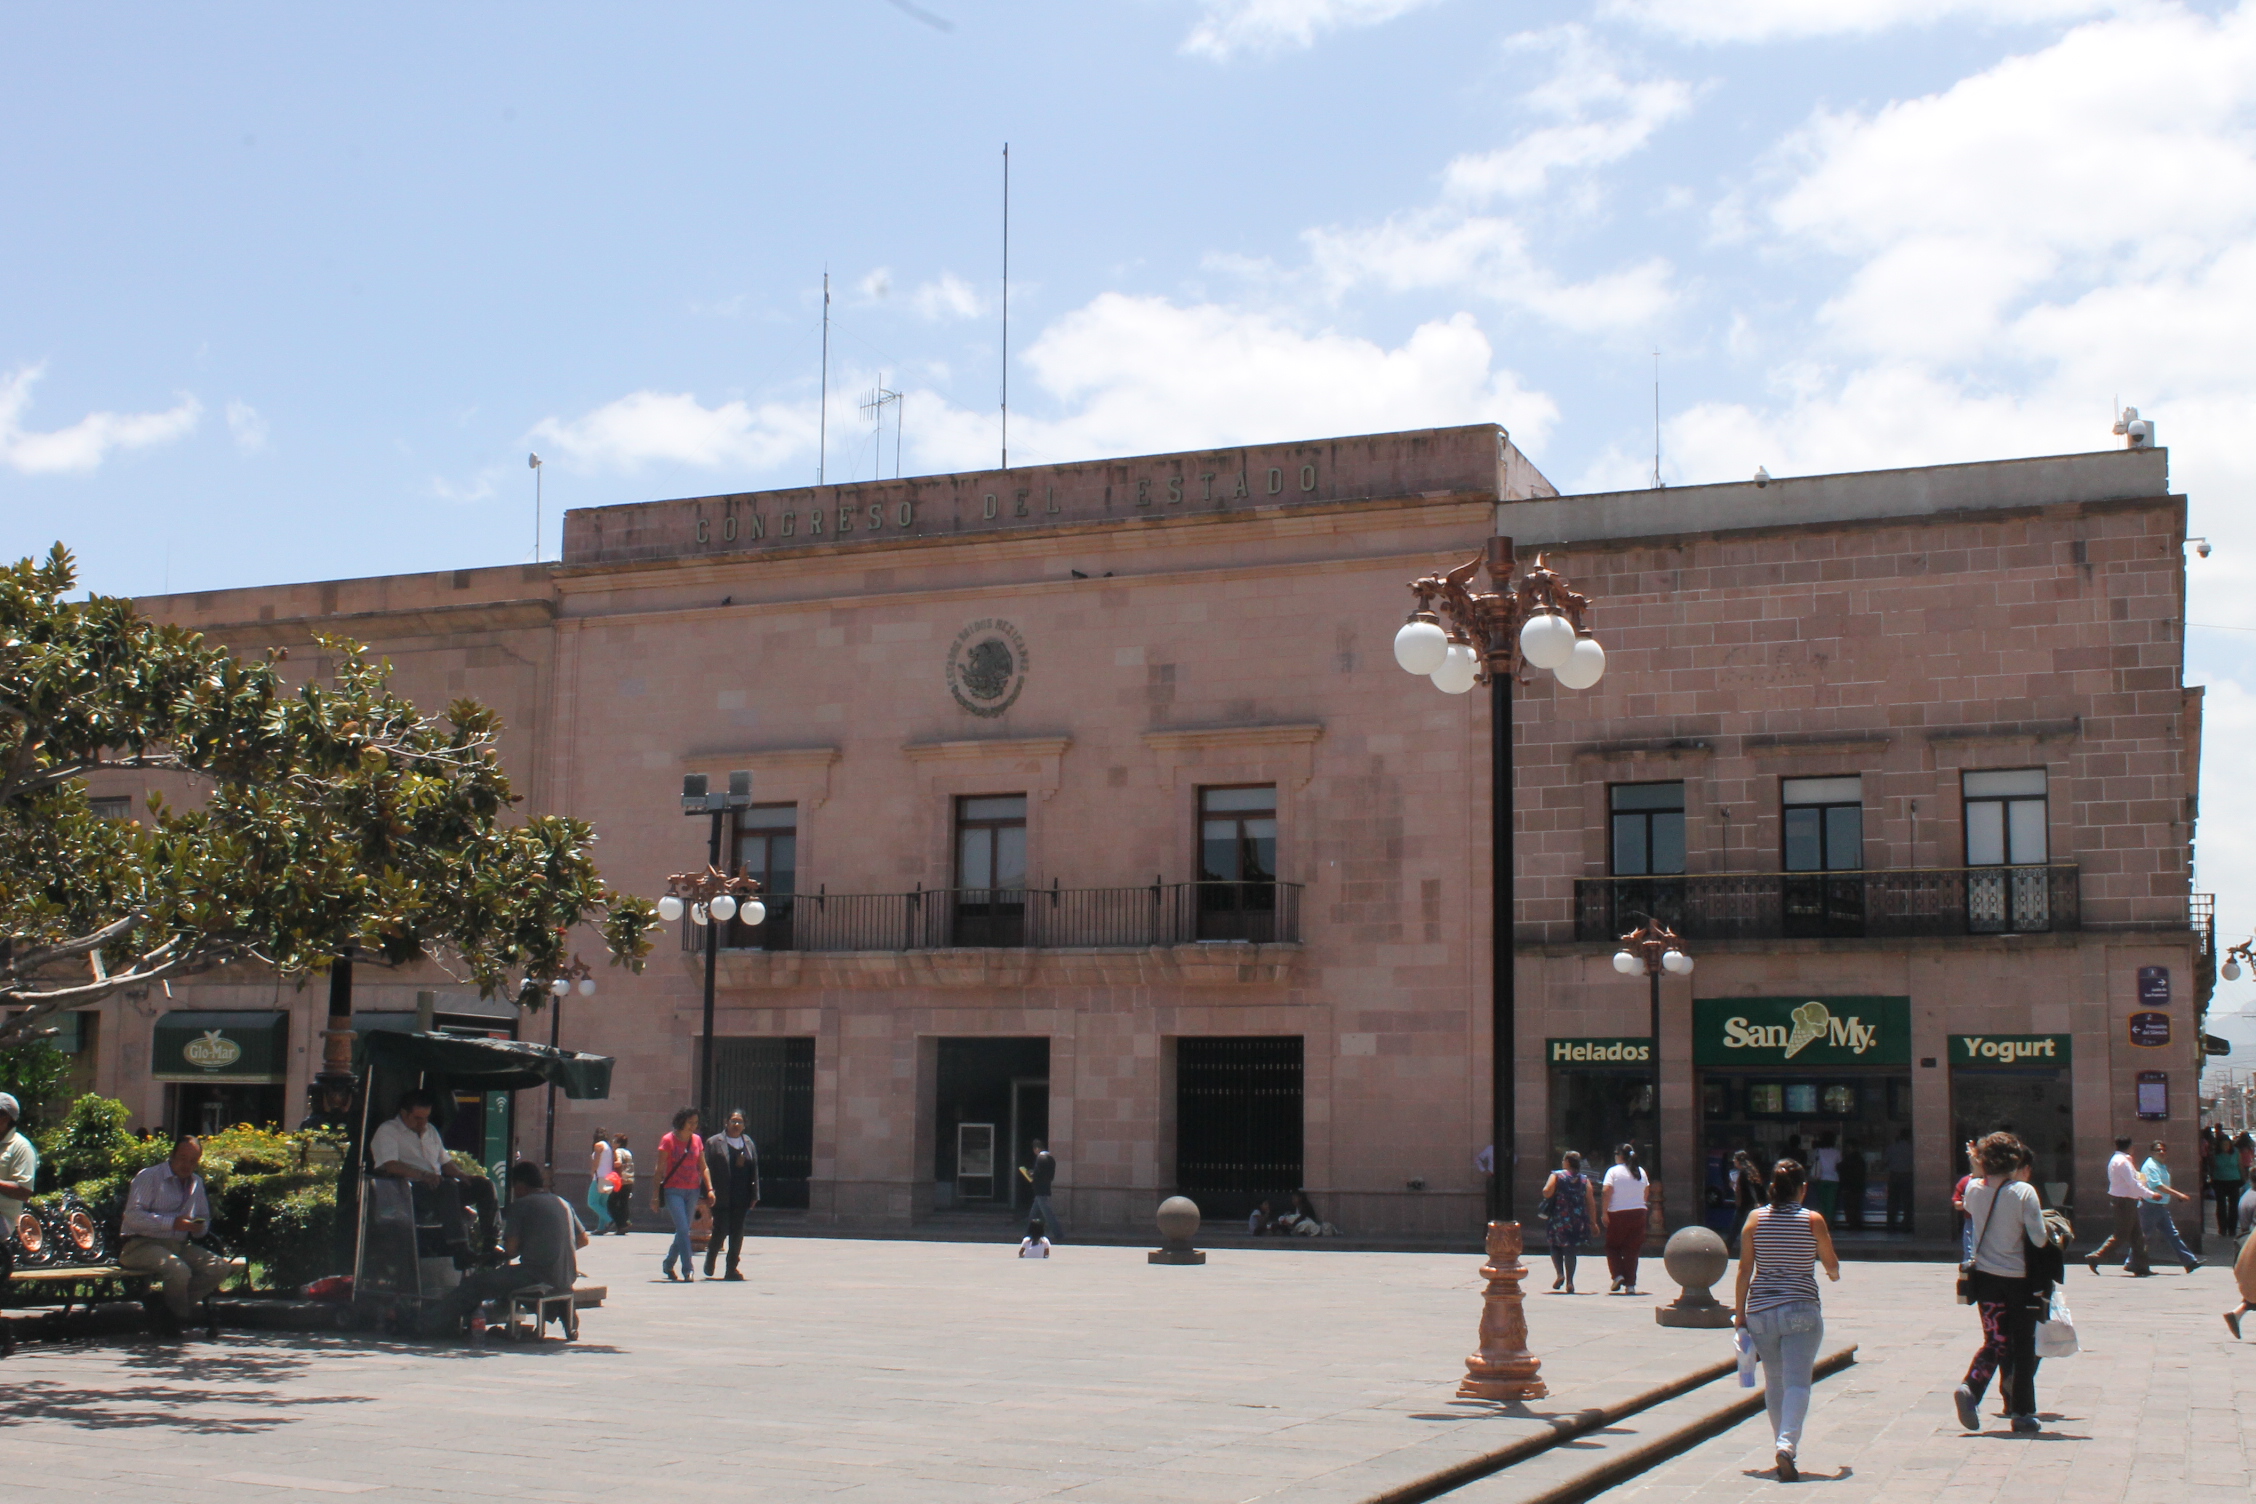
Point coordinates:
[[1865, 904], [1018, 918]]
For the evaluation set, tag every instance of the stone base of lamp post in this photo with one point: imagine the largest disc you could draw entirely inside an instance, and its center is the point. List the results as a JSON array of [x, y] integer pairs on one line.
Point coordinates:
[[1503, 1369], [1695, 1259]]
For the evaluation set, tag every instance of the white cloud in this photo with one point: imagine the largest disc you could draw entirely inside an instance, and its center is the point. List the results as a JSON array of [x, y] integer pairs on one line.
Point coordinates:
[[1434, 249], [1602, 117], [1772, 20], [249, 429], [645, 428], [1232, 26], [947, 296], [1132, 375], [877, 285], [89, 441]]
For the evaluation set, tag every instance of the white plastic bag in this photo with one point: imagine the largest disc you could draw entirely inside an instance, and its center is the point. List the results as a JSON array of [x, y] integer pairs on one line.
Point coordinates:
[[2056, 1334], [1744, 1342]]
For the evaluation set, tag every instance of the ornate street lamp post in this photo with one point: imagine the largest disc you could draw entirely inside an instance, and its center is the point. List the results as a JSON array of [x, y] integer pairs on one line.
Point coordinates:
[[559, 989], [1653, 948], [1459, 637], [711, 899]]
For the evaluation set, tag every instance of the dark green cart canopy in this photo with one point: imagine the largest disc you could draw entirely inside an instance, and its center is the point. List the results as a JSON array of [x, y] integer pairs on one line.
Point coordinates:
[[468, 1064]]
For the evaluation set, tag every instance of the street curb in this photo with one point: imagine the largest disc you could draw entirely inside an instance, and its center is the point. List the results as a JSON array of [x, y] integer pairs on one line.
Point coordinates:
[[1565, 1428]]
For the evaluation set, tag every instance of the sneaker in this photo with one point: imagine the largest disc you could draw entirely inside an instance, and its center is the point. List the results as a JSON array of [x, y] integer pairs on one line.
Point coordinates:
[[2232, 1319], [735, 1275], [1787, 1472], [2191, 1265], [2026, 1425], [1616, 1289], [1969, 1408]]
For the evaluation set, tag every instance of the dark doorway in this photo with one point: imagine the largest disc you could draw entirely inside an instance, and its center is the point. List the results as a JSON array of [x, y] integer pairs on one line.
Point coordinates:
[[772, 1082], [992, 1100], [1238, 1121], [202, 1108]]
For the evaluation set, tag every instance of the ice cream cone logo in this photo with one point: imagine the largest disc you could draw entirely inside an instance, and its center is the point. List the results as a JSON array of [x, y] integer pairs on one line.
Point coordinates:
[[1811, 1022]]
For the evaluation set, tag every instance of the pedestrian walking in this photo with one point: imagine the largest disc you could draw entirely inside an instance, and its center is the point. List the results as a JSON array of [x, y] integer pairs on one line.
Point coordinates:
[[683, 1182], [1778, 1304], [1899, 1161], [732, 1175], [2225, 1181], [2155, 1221], [2007, 1286], [1574, 1212], [1621, 1206], [1825, 1172], [1958, 1205], [2126, 1193], [2244, 1276], [1034, 1245], [1042, 1174], [1749, 1190], [599, 1183], [1856, 1174], [622, 1186]]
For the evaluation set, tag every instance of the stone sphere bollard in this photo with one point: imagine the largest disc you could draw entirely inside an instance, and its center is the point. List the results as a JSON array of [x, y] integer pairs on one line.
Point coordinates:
[[1178, 1221], [1695, 1258]]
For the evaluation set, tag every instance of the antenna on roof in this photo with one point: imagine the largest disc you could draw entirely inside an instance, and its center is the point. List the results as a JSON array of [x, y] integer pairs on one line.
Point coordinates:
[[873, 408], [1006, 305], [1657, 481], [822, 423]]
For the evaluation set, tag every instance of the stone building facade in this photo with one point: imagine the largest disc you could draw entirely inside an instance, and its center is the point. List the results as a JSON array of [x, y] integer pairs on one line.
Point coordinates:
[[1095, 808]]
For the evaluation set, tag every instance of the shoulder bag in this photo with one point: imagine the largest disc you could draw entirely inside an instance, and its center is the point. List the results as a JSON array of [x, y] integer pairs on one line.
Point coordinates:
[[1966, 1270]]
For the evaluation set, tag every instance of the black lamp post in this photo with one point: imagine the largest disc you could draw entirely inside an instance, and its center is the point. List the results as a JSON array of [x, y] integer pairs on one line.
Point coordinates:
[[1534, 621], [712, 898], [1653, 948], [558, 990]]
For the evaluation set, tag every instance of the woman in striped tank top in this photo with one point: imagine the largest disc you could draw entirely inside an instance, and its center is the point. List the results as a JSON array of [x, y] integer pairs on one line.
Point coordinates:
[[1778, 1302]]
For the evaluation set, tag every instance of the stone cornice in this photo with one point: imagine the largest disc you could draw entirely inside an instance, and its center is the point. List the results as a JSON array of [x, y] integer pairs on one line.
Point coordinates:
[[385, 626], [1190, 737], [995, 746]]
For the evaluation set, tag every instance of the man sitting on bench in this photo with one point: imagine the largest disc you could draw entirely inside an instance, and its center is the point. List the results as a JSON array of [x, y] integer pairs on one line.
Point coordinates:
[[165, 1209], [540, 1232], [408, 1148], [19, 1167]]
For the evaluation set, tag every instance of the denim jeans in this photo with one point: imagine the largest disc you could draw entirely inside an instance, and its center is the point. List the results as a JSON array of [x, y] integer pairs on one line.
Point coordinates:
[[1786, 1340], [680, 1202], [2161, 1231]]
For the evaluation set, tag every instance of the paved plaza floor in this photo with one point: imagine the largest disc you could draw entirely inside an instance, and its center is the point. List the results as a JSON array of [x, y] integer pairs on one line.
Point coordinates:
[[862, 1370]]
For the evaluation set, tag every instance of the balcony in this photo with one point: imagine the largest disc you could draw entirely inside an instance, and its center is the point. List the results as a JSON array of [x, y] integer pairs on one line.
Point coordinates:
[[1055, 918], [1869, 905]]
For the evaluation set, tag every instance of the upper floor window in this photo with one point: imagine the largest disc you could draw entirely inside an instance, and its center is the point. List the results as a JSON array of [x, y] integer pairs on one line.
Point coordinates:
[[112, 807], [767, 846], [1238, 834], [991, 841], [2005, 818], [1648, 828], [1824, 824]]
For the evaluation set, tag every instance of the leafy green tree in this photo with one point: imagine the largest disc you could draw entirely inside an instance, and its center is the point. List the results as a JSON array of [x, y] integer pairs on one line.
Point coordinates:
[[35, 1073], [315, 820]]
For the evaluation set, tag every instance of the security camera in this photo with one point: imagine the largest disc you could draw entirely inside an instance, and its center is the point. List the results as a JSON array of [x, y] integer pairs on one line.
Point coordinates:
[[2200, 546]]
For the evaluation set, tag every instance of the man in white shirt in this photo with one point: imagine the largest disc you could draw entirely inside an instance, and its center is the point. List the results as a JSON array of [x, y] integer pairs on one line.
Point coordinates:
[[2126, 1192], [164, 1212], [19, 1167], [408, 1148]]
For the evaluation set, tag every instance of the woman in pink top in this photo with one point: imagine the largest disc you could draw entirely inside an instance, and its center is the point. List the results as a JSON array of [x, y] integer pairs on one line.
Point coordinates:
[[682, 1181]]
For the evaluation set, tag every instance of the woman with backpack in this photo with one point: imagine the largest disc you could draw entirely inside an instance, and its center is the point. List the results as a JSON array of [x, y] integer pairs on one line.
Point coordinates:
[[2008, 1280], [1621, 1206], [1778, 1304]]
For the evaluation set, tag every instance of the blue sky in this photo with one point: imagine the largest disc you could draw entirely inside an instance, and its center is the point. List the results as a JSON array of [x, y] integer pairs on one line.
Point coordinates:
[[290, 293]]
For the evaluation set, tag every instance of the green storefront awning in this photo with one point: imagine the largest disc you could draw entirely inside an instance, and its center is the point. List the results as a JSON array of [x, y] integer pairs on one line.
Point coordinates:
[[237, 1047]]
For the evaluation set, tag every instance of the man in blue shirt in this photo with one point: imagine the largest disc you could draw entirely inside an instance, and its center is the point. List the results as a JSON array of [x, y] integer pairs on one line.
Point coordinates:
[[164, 1212], [2160, 1227]]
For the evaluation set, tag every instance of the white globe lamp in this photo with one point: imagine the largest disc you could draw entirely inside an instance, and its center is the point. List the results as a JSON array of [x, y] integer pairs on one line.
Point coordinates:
[[1420, 646], [1676, 963], [752, 912], [723, 907], [1547, 640], [587, 986], [669, 908], [1585, 665], [1627, 963], [697, 913], [1458, 670]]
